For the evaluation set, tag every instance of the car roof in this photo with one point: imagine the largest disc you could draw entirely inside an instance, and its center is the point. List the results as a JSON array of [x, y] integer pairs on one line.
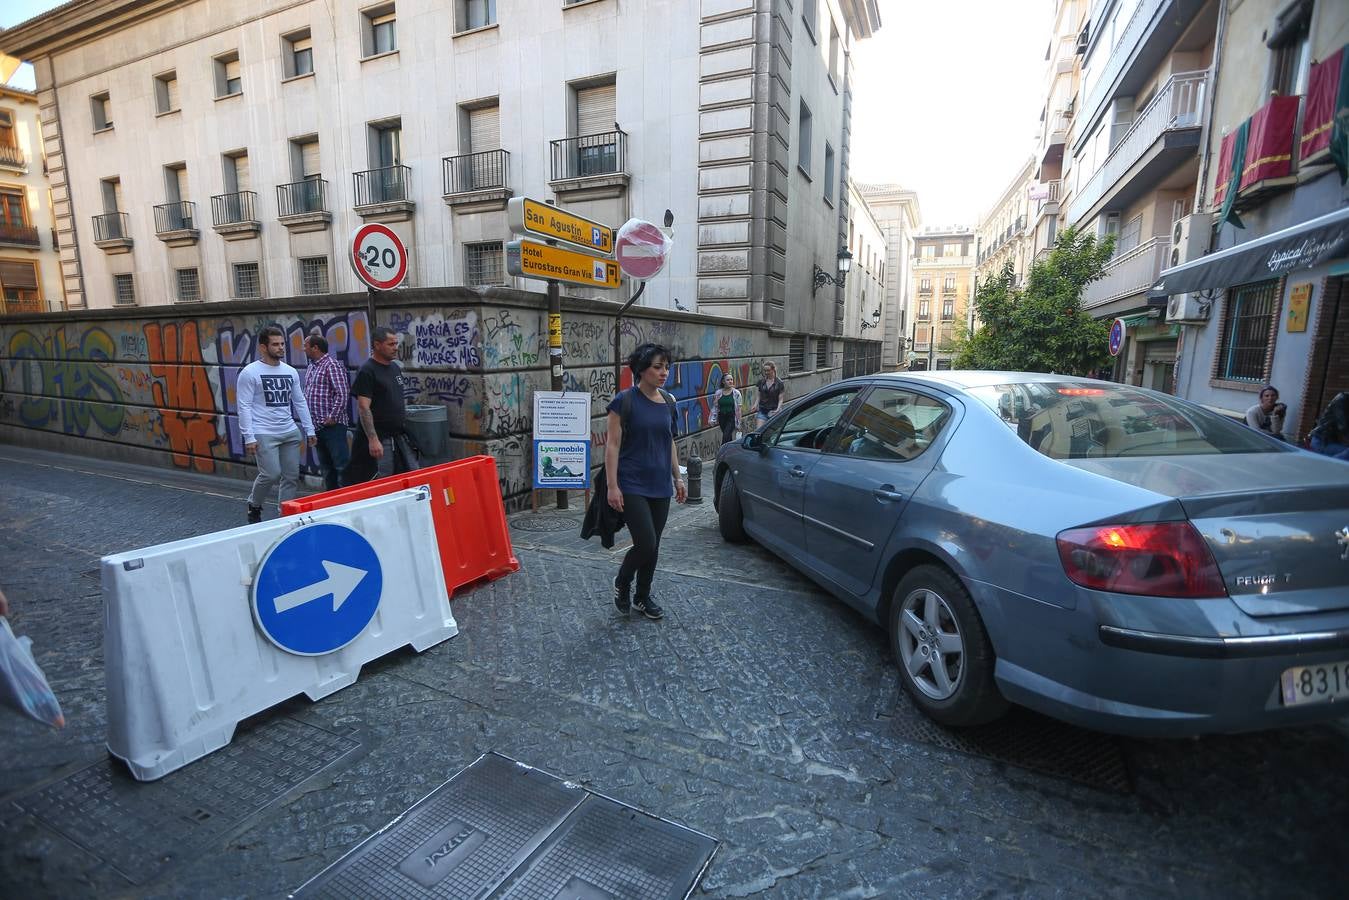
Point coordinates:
[[971, 378]]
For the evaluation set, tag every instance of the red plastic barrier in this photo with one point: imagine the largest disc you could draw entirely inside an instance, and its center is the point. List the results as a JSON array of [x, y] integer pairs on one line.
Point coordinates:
[[466, 506]]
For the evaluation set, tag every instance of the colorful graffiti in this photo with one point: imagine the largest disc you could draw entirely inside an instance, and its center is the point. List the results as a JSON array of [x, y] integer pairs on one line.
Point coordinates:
[[168, 385], [68, 381], [183, 394]]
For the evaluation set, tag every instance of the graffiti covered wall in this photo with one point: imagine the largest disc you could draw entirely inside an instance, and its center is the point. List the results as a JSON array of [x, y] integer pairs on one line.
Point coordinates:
[[160, 388]]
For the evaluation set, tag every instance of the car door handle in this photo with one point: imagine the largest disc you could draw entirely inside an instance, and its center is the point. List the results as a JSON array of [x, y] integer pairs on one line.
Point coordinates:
[[798, 472], [887, 492]]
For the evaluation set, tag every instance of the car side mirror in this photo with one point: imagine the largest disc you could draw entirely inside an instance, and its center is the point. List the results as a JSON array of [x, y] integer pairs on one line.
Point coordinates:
[[753, 441]]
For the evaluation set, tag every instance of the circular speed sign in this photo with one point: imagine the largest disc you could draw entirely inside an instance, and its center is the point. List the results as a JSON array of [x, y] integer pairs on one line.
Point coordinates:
[[378, 256]]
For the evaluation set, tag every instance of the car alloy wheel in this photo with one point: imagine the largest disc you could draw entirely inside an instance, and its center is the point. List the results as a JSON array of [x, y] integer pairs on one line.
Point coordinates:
[[945, 657], [931, 647]]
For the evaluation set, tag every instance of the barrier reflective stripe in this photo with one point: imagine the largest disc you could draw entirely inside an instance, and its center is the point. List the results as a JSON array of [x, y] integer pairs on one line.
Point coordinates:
[[471, 530], [202, 633]]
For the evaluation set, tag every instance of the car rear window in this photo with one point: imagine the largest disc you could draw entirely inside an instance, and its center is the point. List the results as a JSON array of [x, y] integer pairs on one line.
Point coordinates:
[[1074, 420]]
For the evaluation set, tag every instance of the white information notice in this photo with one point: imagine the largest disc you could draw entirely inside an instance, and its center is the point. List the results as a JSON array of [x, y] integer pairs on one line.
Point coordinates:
[[561, 415]]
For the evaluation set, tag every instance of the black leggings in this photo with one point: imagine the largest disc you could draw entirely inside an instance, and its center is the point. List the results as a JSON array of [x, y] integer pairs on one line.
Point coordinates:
[[728, 430], [645, 518]]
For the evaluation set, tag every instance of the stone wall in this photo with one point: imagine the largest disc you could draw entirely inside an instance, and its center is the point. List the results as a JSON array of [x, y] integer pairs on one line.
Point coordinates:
[[156, 385]]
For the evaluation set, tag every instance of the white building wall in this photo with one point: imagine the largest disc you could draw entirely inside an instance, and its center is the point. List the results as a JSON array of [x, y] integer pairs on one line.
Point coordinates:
[[865, 290], [527, 61]]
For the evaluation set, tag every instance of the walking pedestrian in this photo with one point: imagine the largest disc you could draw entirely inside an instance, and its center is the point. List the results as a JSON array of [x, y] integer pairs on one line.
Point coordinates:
[[641, 466], [325, 387], [382, 448], [726, 409], [1331, 434], [771, 390], [270, 400], [1268, 414]]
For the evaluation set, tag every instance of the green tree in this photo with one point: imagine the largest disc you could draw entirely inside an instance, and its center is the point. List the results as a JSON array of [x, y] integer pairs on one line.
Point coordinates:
[[1042, 328]]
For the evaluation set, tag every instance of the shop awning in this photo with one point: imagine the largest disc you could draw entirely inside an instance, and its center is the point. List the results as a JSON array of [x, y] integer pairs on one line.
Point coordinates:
[[1299, 247]]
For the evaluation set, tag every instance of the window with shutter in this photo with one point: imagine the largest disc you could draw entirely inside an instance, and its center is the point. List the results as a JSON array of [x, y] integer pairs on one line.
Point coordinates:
[[595, 110], [241, 177], [309, 160], [484, 129]]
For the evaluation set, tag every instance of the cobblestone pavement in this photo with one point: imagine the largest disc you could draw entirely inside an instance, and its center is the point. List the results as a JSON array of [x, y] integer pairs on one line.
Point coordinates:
[[759, 711]]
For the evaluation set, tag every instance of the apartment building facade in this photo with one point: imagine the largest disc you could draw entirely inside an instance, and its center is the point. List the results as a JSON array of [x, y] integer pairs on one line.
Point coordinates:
[[898, 214], [943, 273], [30, 279], [1004, 234], [1267, 303], [864, 287], [1052, 191], [212, 151]]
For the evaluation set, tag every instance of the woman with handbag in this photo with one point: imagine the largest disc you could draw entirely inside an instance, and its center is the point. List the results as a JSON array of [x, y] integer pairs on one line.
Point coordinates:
[[726, 409], [641, 465]]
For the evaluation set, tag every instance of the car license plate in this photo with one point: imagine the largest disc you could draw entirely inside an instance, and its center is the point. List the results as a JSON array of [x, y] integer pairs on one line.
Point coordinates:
[[1315, 684]]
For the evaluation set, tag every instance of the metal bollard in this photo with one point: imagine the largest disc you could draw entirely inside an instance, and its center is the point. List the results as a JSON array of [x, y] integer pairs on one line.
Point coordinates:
[[695, 486]]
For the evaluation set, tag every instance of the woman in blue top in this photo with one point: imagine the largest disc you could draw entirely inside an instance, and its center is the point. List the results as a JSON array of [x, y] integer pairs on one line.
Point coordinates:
[[641, 464]]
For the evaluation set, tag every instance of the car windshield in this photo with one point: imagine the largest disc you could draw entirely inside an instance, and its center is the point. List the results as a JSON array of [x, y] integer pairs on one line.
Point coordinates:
[[1076, 420]]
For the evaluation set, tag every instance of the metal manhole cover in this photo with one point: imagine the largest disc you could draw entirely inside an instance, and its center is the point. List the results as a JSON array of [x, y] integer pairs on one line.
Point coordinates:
[[545, 522], [142, 829], [500, 829], [1024, 739]]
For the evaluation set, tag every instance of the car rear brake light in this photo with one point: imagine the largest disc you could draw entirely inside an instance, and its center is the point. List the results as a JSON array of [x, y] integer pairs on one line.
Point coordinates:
[[1081, 392], [1165, 559]]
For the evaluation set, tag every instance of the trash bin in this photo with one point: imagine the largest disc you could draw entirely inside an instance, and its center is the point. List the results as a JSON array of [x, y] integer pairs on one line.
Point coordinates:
[[429, 426]]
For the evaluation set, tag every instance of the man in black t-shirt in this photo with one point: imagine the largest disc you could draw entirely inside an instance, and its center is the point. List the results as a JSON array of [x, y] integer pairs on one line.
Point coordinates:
[[382, 447]]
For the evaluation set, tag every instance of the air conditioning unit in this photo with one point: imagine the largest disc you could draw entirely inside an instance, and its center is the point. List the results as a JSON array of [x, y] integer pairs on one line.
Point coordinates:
[[1189, 238], [1186, 308]]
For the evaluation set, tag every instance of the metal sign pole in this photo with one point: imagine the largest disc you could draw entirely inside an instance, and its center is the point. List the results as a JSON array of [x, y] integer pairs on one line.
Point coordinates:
[[618, 349], [555, 352]]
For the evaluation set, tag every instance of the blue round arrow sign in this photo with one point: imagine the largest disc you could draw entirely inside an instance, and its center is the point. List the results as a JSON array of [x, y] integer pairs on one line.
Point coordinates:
[[317, 589]]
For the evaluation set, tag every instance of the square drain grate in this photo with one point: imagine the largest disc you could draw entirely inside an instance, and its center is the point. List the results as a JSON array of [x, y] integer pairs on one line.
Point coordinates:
[[142, 829], [1021, 738], [501, 829]]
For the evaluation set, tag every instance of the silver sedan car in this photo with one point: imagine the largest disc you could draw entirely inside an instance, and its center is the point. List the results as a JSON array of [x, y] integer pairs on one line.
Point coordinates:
[[1108, 555]]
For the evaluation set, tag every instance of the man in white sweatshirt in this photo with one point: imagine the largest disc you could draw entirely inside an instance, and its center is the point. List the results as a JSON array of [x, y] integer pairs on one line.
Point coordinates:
[[270, 399]]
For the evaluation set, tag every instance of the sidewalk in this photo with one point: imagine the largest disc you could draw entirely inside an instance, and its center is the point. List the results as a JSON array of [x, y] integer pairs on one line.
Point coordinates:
[[759, 711]]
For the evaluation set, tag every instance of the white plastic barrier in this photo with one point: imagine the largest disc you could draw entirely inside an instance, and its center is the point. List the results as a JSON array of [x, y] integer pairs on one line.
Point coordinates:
[[202, 633]]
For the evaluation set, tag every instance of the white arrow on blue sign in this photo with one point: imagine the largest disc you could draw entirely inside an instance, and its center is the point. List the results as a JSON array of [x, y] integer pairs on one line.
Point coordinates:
[[317, 589]]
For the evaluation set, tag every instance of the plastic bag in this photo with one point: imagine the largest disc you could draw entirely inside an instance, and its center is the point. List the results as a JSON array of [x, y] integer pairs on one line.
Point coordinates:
[[22, 684]]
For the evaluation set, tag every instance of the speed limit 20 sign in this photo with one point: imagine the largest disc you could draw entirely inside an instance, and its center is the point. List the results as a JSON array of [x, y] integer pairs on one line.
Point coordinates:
[[378, 256]]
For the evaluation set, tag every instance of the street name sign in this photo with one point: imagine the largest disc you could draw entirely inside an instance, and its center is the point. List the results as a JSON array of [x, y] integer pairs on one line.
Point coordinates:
[[378, 256], [317, 589], [531, 259], [532, 218]]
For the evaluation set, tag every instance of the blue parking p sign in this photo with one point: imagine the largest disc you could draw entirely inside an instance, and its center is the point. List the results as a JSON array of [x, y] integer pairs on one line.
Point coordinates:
[[317, 589]]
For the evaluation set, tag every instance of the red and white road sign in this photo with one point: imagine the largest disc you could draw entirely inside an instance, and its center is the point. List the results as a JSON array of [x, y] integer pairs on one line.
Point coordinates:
[[378, 256], [641, 249]]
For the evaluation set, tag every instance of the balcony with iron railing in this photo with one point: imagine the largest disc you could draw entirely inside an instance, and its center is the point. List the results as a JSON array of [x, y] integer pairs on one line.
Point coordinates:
[[303, 205], [1132, 272], [112, 232], [475, 182], [384, 194], [1121, 54], [234, 215], [19, 236], [176, 223], [12, 157], [591, 166], [1165, 133]]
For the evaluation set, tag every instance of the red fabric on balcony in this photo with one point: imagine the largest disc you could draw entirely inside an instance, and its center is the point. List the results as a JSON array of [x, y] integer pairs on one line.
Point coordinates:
[[1270, 152], [1323, 88], [1224, 167]]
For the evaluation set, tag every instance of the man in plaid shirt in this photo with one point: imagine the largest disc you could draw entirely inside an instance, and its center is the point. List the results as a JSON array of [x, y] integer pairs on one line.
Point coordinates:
[[326, 389]]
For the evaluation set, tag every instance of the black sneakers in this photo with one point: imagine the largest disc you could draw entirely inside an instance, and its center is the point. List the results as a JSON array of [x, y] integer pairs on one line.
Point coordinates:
[[622, 597], [647, 607], [254, 515]]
